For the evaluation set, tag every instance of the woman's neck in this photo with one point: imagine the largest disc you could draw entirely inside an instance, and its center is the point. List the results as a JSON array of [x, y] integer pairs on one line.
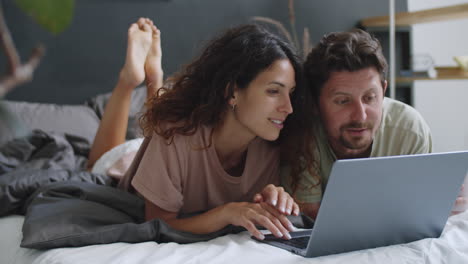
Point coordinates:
[[231, 141]]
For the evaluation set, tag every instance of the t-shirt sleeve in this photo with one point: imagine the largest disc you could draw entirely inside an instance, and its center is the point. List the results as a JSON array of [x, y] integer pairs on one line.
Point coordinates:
[[423, 142], [309, 189], [158, 177], [403, 131], [422, 145]]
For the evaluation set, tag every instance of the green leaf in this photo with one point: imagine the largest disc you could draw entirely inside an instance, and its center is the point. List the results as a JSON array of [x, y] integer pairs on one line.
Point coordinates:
[[54, 15]]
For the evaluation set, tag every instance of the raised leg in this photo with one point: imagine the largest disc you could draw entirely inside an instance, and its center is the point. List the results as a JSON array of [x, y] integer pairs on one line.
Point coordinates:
[[143, 60]]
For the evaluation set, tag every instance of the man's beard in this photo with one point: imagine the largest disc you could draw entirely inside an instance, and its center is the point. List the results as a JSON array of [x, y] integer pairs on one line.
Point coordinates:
[[356, 143]]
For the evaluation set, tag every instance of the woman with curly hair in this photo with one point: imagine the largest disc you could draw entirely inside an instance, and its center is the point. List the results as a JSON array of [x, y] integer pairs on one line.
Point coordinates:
[[212, 140]]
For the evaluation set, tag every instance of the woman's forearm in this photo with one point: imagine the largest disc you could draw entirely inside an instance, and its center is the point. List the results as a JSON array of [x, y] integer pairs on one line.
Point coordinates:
[[244, 214], [210, 221]]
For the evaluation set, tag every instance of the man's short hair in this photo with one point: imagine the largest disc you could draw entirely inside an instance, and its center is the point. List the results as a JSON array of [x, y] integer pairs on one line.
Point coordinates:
[[343, 51]]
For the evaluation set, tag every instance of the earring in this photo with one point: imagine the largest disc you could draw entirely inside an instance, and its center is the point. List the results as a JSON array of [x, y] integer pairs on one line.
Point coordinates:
[[233, 107]]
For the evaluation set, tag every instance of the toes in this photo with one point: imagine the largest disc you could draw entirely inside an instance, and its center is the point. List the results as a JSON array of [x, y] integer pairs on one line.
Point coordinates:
[[133, 27], [156, 32], [149, 21], [141, 22], [146, 28], [145, 24]]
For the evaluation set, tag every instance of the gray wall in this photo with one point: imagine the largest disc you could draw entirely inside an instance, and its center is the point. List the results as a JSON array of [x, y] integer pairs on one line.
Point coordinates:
[[86, 58]]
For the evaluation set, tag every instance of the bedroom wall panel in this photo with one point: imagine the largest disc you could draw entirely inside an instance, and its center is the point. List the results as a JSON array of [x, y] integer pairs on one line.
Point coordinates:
[[85, 59]]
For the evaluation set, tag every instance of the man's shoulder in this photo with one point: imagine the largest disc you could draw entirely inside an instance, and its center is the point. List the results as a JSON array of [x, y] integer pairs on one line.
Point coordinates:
[[403, 131], [399, 115]]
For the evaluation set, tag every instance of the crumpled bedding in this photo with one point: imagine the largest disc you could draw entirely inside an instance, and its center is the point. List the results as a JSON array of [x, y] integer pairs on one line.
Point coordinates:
[[450, 248], [17, 187], [42, 150], [41, 158], [71, 214], [65, 206]]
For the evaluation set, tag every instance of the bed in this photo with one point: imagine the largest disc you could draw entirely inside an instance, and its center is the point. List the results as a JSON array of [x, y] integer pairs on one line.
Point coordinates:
[[451, 247], [83, 120]]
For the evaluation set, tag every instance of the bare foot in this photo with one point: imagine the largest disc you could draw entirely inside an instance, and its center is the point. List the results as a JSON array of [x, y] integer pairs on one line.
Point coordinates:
[[139, 43], [153, 65]]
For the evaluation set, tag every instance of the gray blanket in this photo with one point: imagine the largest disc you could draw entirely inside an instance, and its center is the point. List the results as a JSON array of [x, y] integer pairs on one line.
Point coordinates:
[[66, 207], [41, 150], [41, 176], [78, 214], [38, 159]]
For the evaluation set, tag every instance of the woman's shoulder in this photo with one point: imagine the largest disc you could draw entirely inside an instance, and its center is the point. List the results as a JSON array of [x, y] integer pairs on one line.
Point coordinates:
[[198, 136]]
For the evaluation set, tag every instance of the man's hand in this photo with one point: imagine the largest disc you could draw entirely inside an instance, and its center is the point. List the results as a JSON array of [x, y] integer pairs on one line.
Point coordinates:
[[461, 204], [278, 198]]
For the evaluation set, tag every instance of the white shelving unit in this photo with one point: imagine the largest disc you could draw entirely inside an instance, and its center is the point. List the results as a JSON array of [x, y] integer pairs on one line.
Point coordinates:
[[405, 19]]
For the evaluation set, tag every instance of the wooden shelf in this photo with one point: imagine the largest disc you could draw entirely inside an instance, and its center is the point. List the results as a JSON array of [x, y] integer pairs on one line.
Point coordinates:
[[423, 16], [443, 73]]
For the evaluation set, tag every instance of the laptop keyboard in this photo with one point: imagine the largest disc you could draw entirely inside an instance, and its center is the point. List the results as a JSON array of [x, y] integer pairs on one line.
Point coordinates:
[[297, 242]]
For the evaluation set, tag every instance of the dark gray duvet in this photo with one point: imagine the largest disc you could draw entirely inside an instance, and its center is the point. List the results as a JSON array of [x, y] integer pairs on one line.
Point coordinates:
[[42, 177]]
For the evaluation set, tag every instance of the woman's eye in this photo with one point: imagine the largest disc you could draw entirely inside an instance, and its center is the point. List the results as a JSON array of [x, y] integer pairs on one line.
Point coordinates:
[[272, 91]]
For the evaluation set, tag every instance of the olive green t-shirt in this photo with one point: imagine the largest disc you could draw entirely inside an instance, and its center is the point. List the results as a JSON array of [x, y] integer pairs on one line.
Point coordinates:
[[403, 131]]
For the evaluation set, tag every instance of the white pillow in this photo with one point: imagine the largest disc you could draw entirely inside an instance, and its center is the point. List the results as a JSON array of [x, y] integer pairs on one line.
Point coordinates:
[[112, 156]]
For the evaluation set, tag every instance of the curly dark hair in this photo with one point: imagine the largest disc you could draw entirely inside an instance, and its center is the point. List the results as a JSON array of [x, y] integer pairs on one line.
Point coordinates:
[[343, 51], [200, 92]]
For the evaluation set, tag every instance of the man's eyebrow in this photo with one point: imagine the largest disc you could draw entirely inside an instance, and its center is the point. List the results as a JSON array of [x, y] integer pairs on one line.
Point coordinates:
[[372, 89], [334, 92], [339, 92]]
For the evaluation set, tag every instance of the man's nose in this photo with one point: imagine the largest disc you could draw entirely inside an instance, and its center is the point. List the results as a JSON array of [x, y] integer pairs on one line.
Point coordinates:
[[359, 112]]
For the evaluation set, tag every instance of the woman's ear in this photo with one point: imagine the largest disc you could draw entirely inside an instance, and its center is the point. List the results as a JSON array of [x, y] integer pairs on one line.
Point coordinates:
[[233, 99], [231, 93]]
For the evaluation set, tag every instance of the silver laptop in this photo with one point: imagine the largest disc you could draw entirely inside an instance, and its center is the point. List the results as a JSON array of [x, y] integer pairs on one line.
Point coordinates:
[[377, 202]]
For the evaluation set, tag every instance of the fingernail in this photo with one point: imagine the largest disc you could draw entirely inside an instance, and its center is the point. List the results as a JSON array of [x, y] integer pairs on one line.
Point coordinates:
[[273, 202], [291, 227], [279, 234], [282, 209], [287, 235], [261, 236]]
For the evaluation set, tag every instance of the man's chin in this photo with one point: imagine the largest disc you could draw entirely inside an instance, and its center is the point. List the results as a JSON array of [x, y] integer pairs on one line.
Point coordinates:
[[356, 144], [355, 148]]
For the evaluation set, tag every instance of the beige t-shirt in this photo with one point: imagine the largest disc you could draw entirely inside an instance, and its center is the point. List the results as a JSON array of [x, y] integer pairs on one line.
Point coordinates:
[[186, 178], [403, 131]]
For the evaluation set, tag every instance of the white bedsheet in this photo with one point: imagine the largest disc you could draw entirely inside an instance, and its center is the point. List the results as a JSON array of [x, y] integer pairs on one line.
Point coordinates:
[[451, 247]]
